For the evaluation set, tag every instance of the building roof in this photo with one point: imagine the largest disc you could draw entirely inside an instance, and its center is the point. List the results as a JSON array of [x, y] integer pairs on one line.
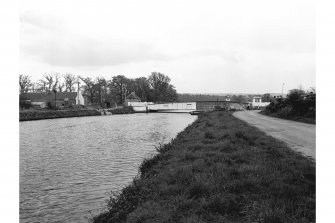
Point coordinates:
[[227, 102], [132, 95], [49, 96]]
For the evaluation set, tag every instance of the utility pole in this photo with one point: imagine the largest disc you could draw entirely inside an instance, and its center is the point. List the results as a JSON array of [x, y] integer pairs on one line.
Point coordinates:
[[125, 93], [78, 93], [100, 95], [282, 90], [55, 91]]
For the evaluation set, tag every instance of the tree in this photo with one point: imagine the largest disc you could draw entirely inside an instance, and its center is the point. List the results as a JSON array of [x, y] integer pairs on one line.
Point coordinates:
[[35, 87], [157, 80], [295, 99], [42, 85], [70, 80], [266, 98], [89, 88], [163, 91], [155, 88], [111, 93], [297, 104], [171, 94], [60, 87], [49, 82], [119, 84], [239, 98], [101, 88], [143, 88], [25, 83]]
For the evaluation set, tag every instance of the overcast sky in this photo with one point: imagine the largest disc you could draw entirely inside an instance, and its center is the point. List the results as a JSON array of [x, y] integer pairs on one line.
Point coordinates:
[[203, 46]]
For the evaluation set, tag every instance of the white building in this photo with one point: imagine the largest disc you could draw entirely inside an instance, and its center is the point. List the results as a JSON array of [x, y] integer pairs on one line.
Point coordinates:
[[257, 103], [173, 107], [165, 107], [139, 106]]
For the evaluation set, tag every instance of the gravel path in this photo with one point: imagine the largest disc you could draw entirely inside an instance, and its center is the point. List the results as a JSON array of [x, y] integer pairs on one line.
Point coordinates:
[[298, 136]]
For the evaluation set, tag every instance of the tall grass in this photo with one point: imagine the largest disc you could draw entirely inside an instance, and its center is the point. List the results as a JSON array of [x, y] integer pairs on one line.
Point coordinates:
[[219, 170]]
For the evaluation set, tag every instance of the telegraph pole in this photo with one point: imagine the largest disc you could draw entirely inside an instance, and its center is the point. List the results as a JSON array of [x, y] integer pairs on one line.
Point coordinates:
[[282, 90], [78, 93], [55, 91]]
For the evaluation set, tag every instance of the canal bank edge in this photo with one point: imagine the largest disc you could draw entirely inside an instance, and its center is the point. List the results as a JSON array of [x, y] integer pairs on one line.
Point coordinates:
[[219, 169], [50, 114], [39, 115]]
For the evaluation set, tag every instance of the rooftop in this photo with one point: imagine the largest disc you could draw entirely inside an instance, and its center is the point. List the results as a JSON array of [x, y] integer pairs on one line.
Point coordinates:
[[48, 96]]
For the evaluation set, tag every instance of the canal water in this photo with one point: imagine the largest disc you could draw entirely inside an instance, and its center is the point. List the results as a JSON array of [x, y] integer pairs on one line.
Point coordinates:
[[68, 167]]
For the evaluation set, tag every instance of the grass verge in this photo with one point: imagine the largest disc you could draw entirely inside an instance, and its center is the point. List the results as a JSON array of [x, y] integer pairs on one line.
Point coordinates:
[[302, 119], [219, 169]]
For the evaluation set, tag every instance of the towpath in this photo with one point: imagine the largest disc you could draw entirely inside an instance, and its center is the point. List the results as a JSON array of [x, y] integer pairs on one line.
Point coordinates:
[[298, 136]]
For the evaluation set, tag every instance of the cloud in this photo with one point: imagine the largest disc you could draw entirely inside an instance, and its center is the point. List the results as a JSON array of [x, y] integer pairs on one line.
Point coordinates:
[[228, 55], [89, 52], [208, 47], [47, 39], [42, 21]]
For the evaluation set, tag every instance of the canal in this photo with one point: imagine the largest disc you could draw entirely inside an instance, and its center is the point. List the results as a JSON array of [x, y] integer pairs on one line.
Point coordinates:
[[68, 167]]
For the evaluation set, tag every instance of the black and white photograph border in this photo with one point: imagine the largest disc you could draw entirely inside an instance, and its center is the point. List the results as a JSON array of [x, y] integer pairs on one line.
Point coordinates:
[[12, 64]]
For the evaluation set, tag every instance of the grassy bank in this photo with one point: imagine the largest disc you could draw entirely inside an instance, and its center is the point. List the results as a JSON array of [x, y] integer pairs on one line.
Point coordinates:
[[219, 169], [50, 114], [120, 111], [303, 119]]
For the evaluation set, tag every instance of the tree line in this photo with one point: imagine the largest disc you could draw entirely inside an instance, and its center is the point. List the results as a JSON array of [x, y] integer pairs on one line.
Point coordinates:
[[298, 103], [155, 88]]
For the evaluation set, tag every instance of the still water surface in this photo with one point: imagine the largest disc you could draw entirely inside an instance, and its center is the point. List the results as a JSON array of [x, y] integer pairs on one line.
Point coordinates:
[[68, 167]]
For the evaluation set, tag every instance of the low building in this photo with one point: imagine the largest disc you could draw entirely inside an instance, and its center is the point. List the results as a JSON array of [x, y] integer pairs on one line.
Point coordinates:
[[173, 107], [41, 100], [132, 97], [140, 106], [38, 104], [258, 104], [277, 95]]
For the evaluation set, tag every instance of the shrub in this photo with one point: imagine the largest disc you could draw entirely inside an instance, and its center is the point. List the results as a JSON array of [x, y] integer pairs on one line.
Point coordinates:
[[50, 105], [25, 104], [297, 104]]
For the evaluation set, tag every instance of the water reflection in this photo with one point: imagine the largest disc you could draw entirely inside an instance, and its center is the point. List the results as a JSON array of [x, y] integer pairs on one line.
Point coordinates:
[[68, 166]]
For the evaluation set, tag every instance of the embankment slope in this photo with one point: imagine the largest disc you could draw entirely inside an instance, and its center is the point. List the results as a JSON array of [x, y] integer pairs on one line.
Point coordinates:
[[219, 169]]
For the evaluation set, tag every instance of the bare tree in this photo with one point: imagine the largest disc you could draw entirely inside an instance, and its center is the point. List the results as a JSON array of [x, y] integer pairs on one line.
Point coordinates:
[[47, 81], [57, 81], [42, 85], [70, 81], [60, 87], [25, 83], [50, 81], [34, 87]]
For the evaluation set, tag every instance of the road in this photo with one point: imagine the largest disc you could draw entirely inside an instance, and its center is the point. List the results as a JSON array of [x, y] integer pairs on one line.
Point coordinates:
[[298, 136]]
